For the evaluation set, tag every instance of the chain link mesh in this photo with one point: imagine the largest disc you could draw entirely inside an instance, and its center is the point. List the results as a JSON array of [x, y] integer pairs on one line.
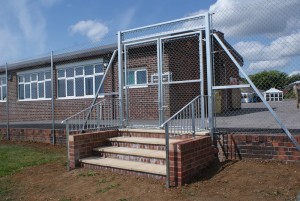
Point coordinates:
[[266, 45]]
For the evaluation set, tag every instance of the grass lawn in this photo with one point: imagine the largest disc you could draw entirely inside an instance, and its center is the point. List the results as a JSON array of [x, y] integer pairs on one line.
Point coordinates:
[[15, 157]]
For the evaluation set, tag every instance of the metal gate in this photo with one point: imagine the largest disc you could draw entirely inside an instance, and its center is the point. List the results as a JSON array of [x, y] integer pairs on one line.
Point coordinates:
[[161, 70]]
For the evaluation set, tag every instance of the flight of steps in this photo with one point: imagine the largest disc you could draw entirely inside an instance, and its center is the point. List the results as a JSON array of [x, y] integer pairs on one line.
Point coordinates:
[[126, 154]]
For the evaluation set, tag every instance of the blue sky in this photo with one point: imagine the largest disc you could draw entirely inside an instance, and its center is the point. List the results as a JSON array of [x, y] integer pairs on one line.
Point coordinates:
[[35, 27], [266, 33]]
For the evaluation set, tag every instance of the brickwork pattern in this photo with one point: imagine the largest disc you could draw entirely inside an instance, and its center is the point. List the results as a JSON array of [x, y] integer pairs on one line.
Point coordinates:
[[34, 135], [258, 146], [187, 158], [81, 145]]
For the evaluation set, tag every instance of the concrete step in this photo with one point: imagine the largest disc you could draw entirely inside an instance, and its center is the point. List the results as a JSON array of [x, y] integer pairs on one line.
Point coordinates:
[[133, 152], [141, 142], [125, 165]]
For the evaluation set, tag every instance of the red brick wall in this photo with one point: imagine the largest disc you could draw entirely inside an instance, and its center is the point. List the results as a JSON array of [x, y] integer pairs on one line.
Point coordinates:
[[81, 145], [34, 135], [258, 146], [188, 158]]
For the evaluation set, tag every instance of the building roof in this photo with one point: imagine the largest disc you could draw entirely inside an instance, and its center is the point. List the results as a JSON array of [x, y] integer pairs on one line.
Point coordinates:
[[61, 57], [273, 90]]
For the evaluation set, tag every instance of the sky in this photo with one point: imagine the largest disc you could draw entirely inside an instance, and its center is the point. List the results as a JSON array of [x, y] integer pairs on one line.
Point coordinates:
[[265, 32]]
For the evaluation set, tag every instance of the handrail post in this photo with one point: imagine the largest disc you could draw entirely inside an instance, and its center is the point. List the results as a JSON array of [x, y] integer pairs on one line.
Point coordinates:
[[67, 144], [193, 120], [167, 156]]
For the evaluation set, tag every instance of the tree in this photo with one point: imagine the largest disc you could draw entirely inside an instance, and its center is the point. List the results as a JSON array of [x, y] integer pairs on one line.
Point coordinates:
[[268, 79], [293, 78]]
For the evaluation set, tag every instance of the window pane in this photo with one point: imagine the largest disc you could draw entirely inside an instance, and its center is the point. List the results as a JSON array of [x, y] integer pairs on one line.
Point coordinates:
[[41, 90], [48, 89], [21, 91], [88, 70], [141, 77], [99, 68], [79, 71], [89, 86], [97, 83], [21, 78], [130, 78], [27, 78], [70, 87], [61, 73], [3, 81], [61, 88], [3, 93], [33, 77], [41, 76], [79, 86], [34, 90], [48, 75], [27, 90], [70, 72]]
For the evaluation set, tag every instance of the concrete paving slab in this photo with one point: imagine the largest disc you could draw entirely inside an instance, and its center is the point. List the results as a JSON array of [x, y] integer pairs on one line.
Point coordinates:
[[142, 140], [126, 165], [133, 152]]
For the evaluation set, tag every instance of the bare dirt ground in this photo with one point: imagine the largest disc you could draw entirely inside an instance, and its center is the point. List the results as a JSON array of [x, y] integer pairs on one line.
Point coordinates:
[[240, 180]]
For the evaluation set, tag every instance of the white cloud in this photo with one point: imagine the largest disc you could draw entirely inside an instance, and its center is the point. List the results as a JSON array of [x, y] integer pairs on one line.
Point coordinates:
[[270, 64], [242, 18], [126, 18], [23, 29], [297, 72], [92, 29]]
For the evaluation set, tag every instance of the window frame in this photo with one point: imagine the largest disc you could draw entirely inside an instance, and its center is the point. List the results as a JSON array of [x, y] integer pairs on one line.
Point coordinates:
[[75, 66], [3, 86], [31, 82], [135, 85]]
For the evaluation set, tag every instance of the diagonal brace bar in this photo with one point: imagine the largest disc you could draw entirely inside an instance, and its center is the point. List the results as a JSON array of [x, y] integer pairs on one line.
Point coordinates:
[[287, 132], [99, 88]]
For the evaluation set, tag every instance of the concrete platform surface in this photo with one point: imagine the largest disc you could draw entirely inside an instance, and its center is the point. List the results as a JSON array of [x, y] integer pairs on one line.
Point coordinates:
[[133, 152], [142, 140], [126, 165]]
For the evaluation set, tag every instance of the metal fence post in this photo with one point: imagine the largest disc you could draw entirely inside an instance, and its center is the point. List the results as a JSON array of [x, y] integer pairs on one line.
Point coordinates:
[[167, 156], [120, 75], [209, 73], [193, 119], [7, 105], [67, 144], [52, 100]]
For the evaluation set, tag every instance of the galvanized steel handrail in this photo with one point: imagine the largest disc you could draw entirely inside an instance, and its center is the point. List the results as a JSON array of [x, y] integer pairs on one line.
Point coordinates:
[[178, 112]]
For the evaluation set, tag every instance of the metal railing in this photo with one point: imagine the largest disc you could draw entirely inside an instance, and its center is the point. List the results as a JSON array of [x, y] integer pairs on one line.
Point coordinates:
[[190, 119], [103, 115]]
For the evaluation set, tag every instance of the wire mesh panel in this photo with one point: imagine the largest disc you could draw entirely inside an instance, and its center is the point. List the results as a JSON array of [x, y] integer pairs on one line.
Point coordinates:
[[141, 86], [266, 47]]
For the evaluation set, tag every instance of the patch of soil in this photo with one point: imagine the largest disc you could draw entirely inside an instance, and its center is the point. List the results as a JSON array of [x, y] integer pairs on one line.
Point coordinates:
[[240, 180]]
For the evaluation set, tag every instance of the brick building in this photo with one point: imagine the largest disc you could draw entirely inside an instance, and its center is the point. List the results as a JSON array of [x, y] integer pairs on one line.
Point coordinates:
[[77, 76]]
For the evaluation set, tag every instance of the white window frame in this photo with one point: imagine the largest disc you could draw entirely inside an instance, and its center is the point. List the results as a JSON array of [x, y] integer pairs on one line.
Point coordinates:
[[135, 85], [37, 81], [3, 86], [166, 77], [75, 66]]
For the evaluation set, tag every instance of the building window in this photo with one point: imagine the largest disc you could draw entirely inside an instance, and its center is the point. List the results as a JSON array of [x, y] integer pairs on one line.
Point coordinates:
[[137, 77], [80, 81], [3, 92], [34, 86]]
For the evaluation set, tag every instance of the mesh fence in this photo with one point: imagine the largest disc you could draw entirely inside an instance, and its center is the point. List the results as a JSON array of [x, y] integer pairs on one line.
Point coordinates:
[[165, 74], [264, 40]]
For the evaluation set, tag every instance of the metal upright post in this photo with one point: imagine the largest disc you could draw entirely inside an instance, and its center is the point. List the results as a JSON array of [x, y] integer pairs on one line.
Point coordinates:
[[52, 100], [120, 75], [167, 156], [209, 73], [126, 87], [201, 69], [67, 144], [160, 85], [7, 105]]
